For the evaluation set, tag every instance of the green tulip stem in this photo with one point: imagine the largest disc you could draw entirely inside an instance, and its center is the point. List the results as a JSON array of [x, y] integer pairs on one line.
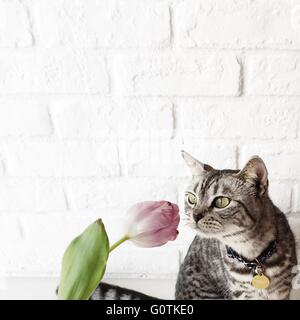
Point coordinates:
[[116, 244]]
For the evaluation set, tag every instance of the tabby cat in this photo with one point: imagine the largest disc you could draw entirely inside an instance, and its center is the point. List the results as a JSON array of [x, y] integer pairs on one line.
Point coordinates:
[[242, 237]]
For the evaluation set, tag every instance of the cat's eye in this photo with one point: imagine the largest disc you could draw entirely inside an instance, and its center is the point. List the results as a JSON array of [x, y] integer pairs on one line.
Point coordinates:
[[191, 199], [221, 202]]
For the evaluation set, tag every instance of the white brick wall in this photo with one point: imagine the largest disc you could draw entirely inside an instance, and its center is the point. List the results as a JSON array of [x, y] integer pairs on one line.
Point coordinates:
[[238, 24], [97, 97], [53, 71], [96, 24], [176, 74]]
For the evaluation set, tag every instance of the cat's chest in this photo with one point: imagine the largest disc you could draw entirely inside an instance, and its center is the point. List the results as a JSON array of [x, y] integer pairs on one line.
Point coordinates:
[[240, 283]]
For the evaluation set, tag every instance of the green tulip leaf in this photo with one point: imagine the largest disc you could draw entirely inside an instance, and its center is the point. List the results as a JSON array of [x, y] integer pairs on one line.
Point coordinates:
[[84, 263]]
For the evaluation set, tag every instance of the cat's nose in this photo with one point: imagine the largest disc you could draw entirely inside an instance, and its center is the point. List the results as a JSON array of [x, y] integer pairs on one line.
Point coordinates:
[[197, 216]]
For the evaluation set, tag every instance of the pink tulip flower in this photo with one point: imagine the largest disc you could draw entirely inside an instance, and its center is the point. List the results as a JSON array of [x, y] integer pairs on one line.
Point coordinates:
[[152, 223]]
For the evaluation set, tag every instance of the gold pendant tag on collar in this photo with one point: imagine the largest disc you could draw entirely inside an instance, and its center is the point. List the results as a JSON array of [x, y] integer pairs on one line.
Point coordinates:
[[260, 281]]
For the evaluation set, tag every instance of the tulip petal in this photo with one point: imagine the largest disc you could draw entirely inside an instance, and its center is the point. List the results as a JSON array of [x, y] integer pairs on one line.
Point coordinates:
[[152, 223], [147, 216], [155, 239]]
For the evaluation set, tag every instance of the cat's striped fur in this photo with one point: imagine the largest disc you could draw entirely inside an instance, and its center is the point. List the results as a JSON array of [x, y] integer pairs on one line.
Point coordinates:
[[248, 225]]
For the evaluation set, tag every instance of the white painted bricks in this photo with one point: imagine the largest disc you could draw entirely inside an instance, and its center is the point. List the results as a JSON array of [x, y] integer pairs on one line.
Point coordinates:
[[94, 23], [53, 71], [15, 29], [238, 24], [98, 97], [273, 74], [177, 75], [95, 118]]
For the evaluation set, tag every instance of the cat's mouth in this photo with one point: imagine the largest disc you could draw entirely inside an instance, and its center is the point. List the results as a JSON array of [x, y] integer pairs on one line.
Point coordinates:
[[208, 227]]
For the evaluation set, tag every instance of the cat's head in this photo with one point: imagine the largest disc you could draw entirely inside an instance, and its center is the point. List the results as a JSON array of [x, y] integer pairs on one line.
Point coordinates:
[[222, 202]]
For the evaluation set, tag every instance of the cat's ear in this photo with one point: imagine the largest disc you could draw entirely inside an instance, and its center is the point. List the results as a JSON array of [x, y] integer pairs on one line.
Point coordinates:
[[197, 168], [255, 172]]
